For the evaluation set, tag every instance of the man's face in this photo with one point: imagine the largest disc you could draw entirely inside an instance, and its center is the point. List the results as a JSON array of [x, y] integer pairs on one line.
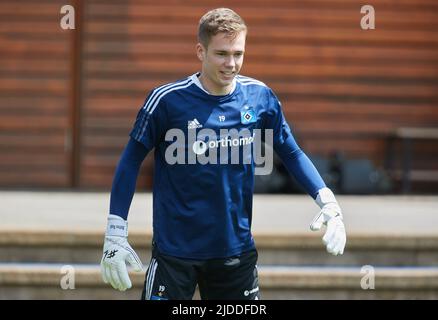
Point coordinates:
[[221, 61]]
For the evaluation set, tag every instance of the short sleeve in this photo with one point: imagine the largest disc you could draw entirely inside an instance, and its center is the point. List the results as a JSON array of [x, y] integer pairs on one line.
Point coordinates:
[[151, 122]]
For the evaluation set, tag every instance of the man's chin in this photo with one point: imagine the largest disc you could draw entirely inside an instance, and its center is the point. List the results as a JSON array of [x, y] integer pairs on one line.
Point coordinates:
[[226, 82]]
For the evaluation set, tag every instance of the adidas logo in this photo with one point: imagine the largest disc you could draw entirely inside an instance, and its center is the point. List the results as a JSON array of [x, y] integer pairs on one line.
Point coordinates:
[[194, 124]]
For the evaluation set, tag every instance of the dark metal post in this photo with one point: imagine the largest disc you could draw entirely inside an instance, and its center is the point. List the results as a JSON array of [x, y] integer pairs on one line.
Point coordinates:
[[407, 159], [75, 94]]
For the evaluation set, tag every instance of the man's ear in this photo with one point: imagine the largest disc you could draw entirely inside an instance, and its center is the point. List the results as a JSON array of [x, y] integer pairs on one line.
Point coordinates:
[[200, 51]]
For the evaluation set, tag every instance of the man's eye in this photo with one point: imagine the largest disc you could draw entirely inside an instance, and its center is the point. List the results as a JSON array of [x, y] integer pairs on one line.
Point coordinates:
[[221, 53]]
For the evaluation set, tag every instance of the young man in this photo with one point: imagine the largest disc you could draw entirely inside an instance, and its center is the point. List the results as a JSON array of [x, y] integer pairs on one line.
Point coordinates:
[[202, 211]]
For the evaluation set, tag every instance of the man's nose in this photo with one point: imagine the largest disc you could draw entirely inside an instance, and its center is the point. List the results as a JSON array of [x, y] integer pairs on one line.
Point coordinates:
[[230, 62]]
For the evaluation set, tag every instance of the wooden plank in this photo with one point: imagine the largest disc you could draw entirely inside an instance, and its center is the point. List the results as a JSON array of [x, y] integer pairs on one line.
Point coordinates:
[[101, 163], [259, 70], [103, 150], [12, 9], [107, 123], [121, 107], [104, 182], [328, 88], [118, 63], [24, 142], [106, 172], [35, 179], [285, 4], [33, 162], [372, 124], [290, 16], [359, 108], [417, 133], [128, 107], [34, 48], [267, 34], [342, 71], [17, 67], [32, 105], [45, 86], [398, 119], [185, 13], [350, 88], [117, 142], [110, 51], [50, 27], [32, 123]]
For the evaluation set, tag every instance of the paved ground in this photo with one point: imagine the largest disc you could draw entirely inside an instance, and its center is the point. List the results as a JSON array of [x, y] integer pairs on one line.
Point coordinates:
[[272, 213]]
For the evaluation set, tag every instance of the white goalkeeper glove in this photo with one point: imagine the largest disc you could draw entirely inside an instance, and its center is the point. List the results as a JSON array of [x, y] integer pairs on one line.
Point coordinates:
[[331, 216], [116, 251]]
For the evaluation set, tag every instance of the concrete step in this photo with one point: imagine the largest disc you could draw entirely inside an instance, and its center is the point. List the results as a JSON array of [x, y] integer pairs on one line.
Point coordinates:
[[44, 281], [274, 248]]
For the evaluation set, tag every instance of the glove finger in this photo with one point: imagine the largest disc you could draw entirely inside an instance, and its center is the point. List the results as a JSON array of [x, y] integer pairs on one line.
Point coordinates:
[[341, 245], [342, 249], [124, 276], [103, 272], [115, 280], [135, 261], [333, 228], [340, 241], [329, 234], [108, 273], [331, 247], [317, 222], [338, 249], [332, 252]]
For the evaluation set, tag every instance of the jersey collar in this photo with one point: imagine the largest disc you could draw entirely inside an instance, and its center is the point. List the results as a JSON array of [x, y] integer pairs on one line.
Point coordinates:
[[195, 79]]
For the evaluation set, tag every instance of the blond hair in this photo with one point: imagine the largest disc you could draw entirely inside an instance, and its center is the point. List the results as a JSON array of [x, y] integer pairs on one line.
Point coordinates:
[[219, 20]]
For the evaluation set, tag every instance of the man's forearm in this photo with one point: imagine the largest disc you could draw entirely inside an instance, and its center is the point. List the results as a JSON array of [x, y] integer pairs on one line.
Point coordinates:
[[300, 166], [125, 178]]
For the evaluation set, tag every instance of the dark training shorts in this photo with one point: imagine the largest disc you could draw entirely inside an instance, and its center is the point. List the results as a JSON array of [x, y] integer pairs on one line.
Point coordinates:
[[233, 278]]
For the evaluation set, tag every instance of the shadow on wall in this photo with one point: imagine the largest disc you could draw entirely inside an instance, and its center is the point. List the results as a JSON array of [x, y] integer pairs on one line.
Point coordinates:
[[342, 175]]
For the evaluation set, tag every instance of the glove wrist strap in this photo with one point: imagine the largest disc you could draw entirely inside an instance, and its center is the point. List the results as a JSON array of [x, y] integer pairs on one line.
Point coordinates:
[[116, 226], [326, 200], [325, 196]]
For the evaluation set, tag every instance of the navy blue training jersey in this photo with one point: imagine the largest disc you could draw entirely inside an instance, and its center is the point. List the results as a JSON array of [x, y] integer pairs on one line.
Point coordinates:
[[204, 210]]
